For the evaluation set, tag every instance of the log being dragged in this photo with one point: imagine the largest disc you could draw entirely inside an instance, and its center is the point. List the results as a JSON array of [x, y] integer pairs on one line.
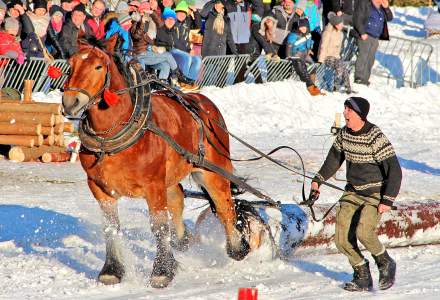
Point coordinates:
[[22, 154], [413, 223], [20, 129], [44, 119]]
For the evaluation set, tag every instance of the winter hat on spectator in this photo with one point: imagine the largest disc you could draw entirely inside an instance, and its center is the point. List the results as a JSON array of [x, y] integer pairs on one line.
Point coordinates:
[[303, 22], [359, 105], [145, 6], [182, 6], [11, 24], [55, 10], [12, 3], [168, 13], [122, 8], [334, 19], [80, 7], [301, 4], [134, 5], [256, 18], [3, 5], [40, 4]]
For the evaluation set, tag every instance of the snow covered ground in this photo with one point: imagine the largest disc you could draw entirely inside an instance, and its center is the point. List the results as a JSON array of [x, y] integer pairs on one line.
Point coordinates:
[[51, 246]]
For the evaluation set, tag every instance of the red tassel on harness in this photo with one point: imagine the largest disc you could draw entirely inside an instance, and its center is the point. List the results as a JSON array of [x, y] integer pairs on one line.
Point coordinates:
[[110, 98], [54, 72]]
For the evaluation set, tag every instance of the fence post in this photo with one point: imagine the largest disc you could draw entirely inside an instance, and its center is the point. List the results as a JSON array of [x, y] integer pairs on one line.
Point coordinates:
[[412, 65]]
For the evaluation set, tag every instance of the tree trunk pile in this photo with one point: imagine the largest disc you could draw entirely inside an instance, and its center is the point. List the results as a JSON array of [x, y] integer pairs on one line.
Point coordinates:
[[33, 129]]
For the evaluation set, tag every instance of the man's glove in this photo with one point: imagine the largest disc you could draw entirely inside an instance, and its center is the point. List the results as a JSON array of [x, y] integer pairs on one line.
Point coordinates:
[[314, 195]]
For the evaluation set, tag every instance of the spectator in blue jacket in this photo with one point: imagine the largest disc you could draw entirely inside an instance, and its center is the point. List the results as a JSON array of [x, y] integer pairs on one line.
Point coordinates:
[[299, 45], [370, 22], [121, 26]]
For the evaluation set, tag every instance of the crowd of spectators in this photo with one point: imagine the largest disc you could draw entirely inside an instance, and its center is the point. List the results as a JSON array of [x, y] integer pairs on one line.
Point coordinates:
[[172, 36]]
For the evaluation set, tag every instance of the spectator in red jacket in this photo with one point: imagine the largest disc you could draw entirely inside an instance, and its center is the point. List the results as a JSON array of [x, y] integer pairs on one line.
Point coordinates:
[[8, 45], [94, 24]]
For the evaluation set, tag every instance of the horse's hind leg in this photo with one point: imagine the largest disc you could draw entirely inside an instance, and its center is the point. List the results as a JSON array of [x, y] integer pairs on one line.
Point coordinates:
[[113, 269], [164, 266], [180, 237], [219, 190]]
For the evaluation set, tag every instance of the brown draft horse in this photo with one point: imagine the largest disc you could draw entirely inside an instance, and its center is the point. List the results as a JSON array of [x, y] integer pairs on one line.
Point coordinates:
[[150, 169]]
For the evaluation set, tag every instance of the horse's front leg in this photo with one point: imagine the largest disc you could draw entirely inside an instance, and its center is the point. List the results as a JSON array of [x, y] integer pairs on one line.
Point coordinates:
[[164, 266], [113, 269]]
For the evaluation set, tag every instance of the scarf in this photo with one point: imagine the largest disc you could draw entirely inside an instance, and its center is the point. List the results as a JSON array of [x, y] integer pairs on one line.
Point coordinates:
[[56, 27], [219, 24], [40, 23]]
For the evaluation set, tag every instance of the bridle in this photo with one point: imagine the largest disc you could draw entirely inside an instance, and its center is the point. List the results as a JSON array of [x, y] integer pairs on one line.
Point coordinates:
[[97, 97]]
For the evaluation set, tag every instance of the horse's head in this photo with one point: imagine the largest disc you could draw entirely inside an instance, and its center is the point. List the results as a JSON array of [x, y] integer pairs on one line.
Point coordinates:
[[89, 76]]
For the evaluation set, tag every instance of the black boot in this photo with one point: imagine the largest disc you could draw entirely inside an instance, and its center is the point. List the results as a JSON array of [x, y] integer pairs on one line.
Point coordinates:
[[387, 270], [362, 280]]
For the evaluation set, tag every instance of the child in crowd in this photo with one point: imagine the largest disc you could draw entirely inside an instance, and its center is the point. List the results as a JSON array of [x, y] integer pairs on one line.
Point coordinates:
[[299, 45], [330, 49]]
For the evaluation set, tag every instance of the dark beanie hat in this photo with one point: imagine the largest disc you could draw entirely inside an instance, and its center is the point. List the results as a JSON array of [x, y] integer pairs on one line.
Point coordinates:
[[359, 105], [334, 19], [40, 4], [10, 4], [303, 23], [80, 7], [55, 9]]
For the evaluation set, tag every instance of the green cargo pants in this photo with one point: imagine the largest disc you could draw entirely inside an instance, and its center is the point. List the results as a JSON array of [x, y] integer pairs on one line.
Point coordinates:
[[357, 218]]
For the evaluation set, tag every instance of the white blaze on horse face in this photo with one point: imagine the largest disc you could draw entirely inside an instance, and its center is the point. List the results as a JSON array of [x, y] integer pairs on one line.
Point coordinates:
[[85, 56]]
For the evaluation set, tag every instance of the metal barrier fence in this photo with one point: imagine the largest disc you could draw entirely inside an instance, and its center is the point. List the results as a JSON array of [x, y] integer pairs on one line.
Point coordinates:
[[222, 71], [267, 70], [432, 71], [400, 60], [403, 61], [12, 74]]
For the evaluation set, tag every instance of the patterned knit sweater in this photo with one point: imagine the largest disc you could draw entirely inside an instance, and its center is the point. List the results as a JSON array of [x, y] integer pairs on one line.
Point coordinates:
[[372, 165]]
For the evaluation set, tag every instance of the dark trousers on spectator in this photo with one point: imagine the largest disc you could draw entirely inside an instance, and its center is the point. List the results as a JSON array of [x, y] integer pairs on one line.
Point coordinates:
[[365, 60], [300, 67]]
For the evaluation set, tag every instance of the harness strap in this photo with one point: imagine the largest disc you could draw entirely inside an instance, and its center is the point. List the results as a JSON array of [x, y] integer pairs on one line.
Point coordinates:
[[203, 163]]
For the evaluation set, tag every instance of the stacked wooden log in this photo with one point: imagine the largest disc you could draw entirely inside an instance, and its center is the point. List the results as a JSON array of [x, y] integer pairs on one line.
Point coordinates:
[[33, 129]]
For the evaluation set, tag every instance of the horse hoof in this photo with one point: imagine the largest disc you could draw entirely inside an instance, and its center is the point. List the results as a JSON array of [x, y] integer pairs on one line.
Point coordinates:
[[164, 269], [160, 281], [109, 279], [239, 254], [183, 243], [111, 273]]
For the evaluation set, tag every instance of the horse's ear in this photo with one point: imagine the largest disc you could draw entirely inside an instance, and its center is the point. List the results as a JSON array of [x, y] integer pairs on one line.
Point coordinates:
[[110, 43]]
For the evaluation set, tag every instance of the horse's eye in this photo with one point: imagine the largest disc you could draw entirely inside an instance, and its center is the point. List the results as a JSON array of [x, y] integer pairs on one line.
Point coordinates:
[[99, 67]]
